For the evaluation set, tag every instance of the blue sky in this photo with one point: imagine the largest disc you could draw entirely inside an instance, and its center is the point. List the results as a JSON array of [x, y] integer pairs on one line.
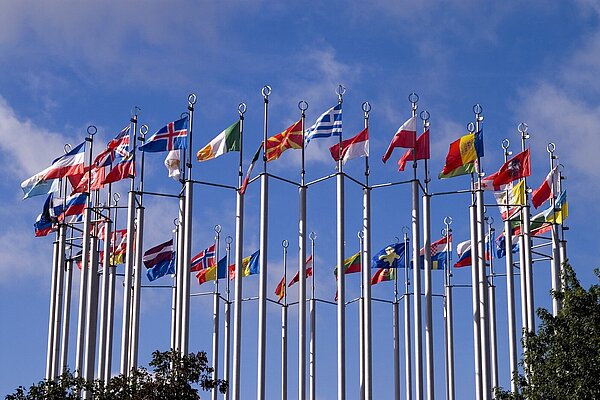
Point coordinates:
[[71, 64]]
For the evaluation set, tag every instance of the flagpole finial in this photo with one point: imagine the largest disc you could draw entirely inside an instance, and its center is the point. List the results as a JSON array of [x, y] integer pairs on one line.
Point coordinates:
[[340, 91], [116, 198], [366, 107], [176, 222], [550, 149], [523, 128], [67, 148], [228, 240], [490, 220], [360, 234], [425, 117], [312, 236], [192, 98], [471, 127], [477, 109], [285, 244], [266, 91], [218, 228], [134, 112], [302, 106], [92, 130], [143, 131], [448, 220]]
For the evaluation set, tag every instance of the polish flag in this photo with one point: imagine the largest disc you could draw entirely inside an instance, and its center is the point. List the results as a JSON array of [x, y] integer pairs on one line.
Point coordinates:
[[544, 192]]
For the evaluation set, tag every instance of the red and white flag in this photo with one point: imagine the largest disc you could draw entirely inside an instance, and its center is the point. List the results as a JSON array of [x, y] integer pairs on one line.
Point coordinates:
[[357, 146], [71, 163], [405, 136], [309, 271], [544, 192]]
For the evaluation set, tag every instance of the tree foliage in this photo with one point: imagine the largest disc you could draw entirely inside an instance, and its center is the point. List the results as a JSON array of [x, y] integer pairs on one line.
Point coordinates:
[[562, 359], [173, 376]]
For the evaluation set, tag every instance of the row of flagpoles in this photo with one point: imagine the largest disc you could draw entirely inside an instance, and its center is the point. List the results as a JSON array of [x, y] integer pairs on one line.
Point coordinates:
[[91, 222]]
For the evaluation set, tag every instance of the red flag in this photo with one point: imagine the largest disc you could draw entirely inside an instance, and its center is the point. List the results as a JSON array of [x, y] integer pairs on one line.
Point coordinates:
[[422, 150], [309, 272], [544, 192], [123, 169], [357, 146], [405, 137], [97, 179], [291, 138], [280, 289], [516, 168]]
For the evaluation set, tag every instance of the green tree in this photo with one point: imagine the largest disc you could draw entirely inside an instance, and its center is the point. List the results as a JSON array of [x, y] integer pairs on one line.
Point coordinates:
[[173, 376], [562, 359]]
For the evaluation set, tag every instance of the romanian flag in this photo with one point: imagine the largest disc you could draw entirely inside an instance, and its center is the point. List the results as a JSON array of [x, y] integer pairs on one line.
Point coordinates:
[[226, 141], [291, 138], [213, 273], [351, 265], [383, 275], [462, 155], [250, 266]]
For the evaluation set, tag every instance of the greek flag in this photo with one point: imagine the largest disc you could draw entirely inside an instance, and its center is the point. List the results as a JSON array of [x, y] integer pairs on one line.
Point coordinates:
[[327, 125]]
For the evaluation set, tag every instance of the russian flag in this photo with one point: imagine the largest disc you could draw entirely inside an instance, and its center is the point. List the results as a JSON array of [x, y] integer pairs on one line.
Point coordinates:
[[74, 205], [71, 163], [464, 254]]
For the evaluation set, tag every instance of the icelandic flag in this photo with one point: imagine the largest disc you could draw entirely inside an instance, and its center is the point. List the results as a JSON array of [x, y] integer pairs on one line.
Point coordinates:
[[160, 260], [203, 260], [327, 125], [439, 252], [170, 137], [71, 163], [392, 256]]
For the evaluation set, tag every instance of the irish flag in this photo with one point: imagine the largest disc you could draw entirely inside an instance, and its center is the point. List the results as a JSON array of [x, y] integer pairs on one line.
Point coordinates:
[[226, 141], [357, 146]]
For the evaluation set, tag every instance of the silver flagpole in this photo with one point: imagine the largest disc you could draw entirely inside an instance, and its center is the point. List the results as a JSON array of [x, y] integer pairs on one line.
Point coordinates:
[[187, 238], [341, 276], [416, 249], [239, 248], [179, 273], [216, 307], [555, 261], [407, 339], [396, 338], [482, 276], [106, 261], [64, 348], [124, 362], [475, 296], [227, 312], [448, 314], [366, 254], [361, 321], [262, 286], [492, 311], [51, 317], [427, 268], [303, 106], [59, 298], [510, 287], [137, 284], [110, 319], [91, 320], [528, 266], [174, 291], [284, 320], [313, 322]]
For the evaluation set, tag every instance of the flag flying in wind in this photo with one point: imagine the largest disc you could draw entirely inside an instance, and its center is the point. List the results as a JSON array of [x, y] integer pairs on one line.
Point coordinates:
[[560, 211], [173, 164], [170, 137], [351, 265], [160, 260], [383, 275], [74, 205], [226, 141], [250, 265], [462, 155], [44, 223], [81, 183], [544, 192], [511, 199], [250, 168], [501, 245], [405, 137], [439, 252], [37, 185], [357, 146], [463, 249], [280, 289], [516, 168], [327, 125], [421, 149], [391, 256], [214, 272], [124, 168], [203, 260], [309, 271], [118, 145], [291, 138], [118, 245], [71, 163]]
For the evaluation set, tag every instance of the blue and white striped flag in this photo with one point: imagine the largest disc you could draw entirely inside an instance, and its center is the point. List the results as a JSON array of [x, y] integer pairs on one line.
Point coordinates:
[[327, 125]]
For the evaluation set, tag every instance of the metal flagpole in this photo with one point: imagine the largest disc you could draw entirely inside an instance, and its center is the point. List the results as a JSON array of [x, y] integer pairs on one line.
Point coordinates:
[[341, 276], [91, 320], [527, 266], [366, 271], [239, 242], [137, 282], [407, 339], [179, 273], [110, 319], [475, 292], [416, 249], [563, 242], [51, 317], [262, 286], [64, 348], [59, 298], [124, 362], [106, 261], [227, 312], [396, 337], [361, 320], [492, 311], [303, 106], [510, 286], [480, 265], [284, 320], [448, 313], [427, 268], [555, 261], [216, 307], [174, 291], [313, 323]]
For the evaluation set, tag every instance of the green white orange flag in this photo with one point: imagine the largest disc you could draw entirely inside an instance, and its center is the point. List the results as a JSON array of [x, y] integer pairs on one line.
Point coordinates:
[[226, 141]]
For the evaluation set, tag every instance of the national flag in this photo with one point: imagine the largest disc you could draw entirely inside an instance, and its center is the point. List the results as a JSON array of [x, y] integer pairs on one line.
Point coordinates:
[[159, 260], [405, 137], [226, 141], [124, 168], [74, 205], [214, 272], [118, 246], [463, 250], [439, 253], [351, 265], [516, 168], [280, 289], [383, 275], [421, 149], [291, 138], [560, 211], [391, 256], [173, 164], [44, 223], [37, 185], [71, 163], [309, 271], [166, 267], [81, 183], [327, 125], [462, 155], [511, 199], [170, 137], [357, 146], [204, 259], [501, 245], [544, 192], [249, 171], [119, 145], [250, 265], [537, 224]]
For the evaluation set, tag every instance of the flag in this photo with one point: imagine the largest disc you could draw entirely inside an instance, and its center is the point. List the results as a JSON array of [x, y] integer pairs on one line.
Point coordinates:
[[544, 192], [439, 252], [383, 275], [351, 265], [462, 155], [37, 185], [74, 205], [327, 125], [173, 164], [510, 199], [119, 144], [250, 168], [501, 245], [166, 267], [309, 271], [405, 137], [224, 142], [160, 260], [81, 182], [250, 266], [204, 259], [214, 272], [421, 149], [71, 163], [357, 146], [291, 138], [44, 223], [170, 137], [391, 256], [516, 168], [280, 289], [118, 246], [560, 211], [125, 168], [463, 249]]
